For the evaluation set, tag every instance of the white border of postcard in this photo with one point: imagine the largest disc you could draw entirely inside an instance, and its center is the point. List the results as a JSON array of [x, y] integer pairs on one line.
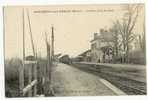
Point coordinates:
[[55, 2]]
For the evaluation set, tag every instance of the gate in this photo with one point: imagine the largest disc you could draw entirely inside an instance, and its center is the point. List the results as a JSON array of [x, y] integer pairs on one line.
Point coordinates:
[[31, 88]]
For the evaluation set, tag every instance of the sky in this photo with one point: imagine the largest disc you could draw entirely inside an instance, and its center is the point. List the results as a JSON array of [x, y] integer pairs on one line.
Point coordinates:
[[74, 26]]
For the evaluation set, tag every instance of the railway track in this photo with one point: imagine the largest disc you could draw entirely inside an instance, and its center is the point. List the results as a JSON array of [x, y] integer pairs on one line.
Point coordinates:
[[129, 86]]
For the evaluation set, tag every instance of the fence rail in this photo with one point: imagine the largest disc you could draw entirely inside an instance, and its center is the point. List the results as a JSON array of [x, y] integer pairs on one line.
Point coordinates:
[[29, 87]]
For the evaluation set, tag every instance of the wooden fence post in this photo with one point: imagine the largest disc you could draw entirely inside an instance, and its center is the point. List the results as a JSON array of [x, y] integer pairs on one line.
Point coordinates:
[[30, 67], [35, 78], [21, 80]]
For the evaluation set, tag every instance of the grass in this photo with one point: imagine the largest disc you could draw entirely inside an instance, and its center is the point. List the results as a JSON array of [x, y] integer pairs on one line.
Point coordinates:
[[12, 77]]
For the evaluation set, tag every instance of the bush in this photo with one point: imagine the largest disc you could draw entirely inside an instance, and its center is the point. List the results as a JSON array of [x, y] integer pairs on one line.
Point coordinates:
[[12, 77]]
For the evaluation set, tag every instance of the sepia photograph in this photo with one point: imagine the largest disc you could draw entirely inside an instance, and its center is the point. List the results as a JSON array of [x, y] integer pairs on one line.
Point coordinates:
[[74, 50]]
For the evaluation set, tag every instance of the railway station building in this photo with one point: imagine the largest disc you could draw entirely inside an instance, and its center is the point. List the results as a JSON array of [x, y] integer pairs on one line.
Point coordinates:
[[101, 47]]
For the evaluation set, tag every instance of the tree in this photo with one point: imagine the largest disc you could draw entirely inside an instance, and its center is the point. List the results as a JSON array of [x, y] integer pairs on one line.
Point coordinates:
[[141, 40], [126, 26], [115, 39]]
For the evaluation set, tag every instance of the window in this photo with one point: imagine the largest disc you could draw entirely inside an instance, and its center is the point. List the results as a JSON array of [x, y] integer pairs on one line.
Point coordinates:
[[94, 46]]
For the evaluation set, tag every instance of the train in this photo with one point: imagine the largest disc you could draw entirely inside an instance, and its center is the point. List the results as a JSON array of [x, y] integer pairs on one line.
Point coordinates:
[[65, 59]]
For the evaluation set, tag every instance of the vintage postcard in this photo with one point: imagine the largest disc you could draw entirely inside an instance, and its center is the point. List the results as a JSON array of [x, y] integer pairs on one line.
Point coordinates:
[[75, 50]]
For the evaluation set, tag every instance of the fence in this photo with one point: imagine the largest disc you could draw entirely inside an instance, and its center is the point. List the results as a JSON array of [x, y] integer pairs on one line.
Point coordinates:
[[31, 88]]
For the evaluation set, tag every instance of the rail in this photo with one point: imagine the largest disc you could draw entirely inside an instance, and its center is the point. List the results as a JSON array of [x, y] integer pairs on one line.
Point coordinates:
[[129, 78], [131, 71]]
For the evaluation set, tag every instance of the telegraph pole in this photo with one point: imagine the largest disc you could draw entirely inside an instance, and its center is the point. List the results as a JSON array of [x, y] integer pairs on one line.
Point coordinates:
[[21, 80], [52, 44], [48, 75], [51, 60], [30, 31], [34, 66]]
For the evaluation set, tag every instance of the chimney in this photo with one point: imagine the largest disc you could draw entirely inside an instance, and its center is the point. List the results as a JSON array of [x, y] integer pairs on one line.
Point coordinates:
[[95, 35]]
